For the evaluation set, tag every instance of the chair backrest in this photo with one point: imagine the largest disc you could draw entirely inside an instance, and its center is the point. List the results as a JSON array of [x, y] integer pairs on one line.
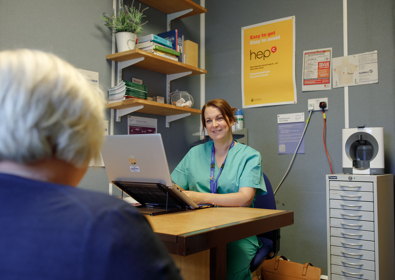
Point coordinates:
[[270, 240], [268, 201]]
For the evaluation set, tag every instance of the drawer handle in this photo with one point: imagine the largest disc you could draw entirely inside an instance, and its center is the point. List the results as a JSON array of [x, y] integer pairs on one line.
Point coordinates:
[[351, 196], [350, 187], [352, 274], [351, 245], [351, 235], [356, 265], [350, 206], [351, 225], [351, 215], [352, 255]]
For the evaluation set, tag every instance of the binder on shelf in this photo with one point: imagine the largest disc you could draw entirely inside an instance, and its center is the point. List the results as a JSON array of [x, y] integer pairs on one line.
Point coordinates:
[[154, 38]]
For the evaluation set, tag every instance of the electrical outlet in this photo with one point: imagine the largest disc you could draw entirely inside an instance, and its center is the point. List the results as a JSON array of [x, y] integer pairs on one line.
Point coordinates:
[[314, 104]]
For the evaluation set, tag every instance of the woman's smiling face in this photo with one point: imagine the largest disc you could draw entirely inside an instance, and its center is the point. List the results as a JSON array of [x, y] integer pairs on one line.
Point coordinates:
[[216, 125]]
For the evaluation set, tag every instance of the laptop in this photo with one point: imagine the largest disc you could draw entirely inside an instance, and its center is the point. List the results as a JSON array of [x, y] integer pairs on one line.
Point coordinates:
[[137, 165]]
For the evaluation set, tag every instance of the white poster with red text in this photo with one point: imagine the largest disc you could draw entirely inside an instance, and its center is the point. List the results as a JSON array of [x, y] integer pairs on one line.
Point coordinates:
[[317, 70]]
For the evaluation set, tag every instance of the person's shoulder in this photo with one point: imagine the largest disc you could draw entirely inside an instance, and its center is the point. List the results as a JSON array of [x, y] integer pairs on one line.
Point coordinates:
[[94, 202], [247, 149], [202, 147]]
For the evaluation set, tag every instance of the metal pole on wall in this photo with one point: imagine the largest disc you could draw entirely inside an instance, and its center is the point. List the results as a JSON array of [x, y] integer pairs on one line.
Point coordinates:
[[345, 50], [112, 119], [202, 58]]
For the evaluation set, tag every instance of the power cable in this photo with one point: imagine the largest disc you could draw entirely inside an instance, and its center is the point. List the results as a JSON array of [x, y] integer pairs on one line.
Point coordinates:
[[326, 151], [296, 151]]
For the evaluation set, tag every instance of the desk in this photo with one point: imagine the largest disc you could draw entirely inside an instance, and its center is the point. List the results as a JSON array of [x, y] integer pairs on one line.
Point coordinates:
[[197, 238]]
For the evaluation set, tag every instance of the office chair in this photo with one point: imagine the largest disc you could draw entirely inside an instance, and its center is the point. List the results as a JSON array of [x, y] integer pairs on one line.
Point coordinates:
[[270, 240]]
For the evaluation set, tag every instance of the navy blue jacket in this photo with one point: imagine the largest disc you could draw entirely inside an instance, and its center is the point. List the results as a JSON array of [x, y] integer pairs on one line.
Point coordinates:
[[52, 231]]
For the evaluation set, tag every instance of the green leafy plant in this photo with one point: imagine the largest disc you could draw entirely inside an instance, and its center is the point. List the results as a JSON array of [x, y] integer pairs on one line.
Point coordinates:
[[128, 19]]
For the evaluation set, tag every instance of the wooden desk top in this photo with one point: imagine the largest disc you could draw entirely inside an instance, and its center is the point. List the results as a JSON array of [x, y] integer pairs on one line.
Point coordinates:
[[192, 231], [182, 223]]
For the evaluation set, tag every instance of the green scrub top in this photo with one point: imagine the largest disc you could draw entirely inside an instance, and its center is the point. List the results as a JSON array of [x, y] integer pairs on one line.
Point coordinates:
[[242, 169]]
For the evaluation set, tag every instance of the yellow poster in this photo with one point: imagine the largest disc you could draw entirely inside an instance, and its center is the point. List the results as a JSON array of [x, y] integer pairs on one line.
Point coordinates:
[[268, 63]]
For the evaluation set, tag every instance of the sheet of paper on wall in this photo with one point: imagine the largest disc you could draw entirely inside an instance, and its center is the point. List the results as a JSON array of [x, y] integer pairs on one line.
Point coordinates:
[[139, 125], [354, 70], [92, 76], [100, 162], [317, 74], [290, 129]]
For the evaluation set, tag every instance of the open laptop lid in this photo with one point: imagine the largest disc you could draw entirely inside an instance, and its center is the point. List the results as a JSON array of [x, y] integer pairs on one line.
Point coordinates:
[[137, 164], [136, 158]]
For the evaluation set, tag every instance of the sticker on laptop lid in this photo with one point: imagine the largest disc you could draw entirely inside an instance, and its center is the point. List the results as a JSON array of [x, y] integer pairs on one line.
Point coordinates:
[[134, 168]]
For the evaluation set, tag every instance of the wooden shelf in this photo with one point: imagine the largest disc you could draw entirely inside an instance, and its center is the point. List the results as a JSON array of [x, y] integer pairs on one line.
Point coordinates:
[[174, 6], [155, 63], [146, 60], [154, 108]]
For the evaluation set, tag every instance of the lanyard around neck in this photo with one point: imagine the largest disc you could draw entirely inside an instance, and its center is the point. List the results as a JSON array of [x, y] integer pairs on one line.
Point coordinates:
[[214, 183]]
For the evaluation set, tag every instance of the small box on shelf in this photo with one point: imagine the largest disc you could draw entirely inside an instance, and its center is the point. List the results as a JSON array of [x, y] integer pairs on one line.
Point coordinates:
[[159, 99], [191, 53]]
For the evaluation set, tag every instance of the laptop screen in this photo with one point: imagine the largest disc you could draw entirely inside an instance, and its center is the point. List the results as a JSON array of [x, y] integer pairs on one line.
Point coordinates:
[[137, 165], [136, 158]]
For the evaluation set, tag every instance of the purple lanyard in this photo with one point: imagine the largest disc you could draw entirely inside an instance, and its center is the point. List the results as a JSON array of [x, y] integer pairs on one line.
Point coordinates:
[[213, 184]]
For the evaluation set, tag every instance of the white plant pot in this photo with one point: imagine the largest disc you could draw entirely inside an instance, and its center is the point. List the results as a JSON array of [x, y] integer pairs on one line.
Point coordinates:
[[125, 41]]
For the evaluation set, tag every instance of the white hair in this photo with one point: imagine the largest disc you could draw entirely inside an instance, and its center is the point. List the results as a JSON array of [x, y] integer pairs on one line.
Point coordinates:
[[47, 109]]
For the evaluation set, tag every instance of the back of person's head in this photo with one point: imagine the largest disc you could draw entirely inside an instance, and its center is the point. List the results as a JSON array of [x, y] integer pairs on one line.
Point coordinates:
[[47, 109], [224, 107]]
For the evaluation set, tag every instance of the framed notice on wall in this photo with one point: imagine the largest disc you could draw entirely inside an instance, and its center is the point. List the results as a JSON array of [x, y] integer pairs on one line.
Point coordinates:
[[268, 63]]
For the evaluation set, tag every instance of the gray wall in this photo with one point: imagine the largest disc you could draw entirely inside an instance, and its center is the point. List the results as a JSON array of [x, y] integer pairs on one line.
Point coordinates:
[[319, 24], [70, 29], [73, 30]]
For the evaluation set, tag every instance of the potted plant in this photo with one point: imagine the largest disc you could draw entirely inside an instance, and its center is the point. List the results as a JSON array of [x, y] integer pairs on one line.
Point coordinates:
[[126, 25]]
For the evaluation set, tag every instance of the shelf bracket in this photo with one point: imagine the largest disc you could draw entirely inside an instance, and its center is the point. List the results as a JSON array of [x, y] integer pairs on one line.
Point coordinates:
[[172, 16], [126, 111], [123, 64], [169, 119], [172, 77]]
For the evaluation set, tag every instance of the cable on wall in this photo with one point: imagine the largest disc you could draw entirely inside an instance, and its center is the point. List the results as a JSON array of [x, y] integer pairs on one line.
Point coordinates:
[[296, 151], [326, 151]]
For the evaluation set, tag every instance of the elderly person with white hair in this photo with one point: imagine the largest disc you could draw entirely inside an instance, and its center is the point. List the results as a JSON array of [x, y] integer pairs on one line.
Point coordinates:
[[51, 126]]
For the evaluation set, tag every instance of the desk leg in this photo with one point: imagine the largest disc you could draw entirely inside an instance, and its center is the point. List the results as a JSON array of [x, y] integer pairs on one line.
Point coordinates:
[[195, 266], [218, 262]]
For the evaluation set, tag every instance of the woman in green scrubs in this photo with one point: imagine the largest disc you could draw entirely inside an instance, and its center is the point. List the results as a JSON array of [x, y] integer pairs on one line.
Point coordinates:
[[223, 172]]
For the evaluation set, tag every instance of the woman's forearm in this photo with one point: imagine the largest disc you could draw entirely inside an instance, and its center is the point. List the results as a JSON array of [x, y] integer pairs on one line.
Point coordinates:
[[243, 197]]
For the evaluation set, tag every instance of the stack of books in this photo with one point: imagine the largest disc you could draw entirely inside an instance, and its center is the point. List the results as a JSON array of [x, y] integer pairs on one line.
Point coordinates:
[[117, 93], [136, 90], [126, 90], [177, 39], [157, 45]]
